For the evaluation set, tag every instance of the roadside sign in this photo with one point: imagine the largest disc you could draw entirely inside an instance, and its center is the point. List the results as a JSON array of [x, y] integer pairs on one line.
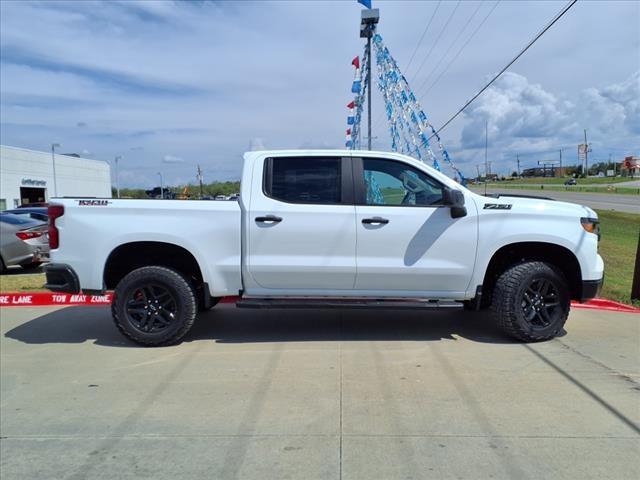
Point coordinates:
[[582, 151]]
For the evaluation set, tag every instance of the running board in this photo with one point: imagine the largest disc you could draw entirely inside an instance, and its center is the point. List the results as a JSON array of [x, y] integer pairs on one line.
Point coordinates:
[[391, 304]]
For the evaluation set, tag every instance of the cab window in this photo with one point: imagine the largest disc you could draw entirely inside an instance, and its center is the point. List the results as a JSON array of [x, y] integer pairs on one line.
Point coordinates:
[[388, 182], [304, 180]]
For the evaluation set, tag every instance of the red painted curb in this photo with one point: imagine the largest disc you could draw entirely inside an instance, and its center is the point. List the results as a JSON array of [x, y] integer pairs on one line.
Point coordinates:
[[604, 304], [47, 299]]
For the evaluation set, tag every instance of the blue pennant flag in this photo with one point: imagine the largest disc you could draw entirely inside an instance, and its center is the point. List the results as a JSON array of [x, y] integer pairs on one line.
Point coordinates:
[[366, 3]]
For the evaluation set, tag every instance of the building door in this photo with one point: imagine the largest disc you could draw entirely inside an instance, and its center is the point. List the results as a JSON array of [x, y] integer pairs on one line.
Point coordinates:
[[32, 195]]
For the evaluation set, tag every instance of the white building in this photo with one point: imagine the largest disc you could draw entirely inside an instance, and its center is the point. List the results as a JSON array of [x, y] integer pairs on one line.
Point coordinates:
[[26, 176]]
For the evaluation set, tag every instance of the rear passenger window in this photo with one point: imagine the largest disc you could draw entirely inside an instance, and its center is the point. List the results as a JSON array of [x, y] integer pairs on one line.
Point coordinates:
[[304, 179]]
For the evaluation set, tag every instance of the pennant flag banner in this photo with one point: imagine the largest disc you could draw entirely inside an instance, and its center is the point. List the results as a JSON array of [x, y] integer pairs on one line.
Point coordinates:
[[409, 126], [366, 3], [359, 88], [355, 106]]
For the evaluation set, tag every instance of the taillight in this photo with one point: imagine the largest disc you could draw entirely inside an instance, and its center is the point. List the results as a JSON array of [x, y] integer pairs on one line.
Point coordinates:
[[54, 211], [28, 235]]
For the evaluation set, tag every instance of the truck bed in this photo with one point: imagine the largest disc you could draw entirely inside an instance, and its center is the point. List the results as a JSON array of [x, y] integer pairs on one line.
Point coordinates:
[[91, 229]]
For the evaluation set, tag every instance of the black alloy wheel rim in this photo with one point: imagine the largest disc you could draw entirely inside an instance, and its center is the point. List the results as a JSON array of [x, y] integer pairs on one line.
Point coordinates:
[[541, 303], [151, 308]]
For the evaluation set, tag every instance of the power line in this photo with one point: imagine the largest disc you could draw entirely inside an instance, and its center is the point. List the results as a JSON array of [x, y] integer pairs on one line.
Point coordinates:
[[438, 37], [381, 116], [422, 37], [455, 40], [535, 39], [461, 48]]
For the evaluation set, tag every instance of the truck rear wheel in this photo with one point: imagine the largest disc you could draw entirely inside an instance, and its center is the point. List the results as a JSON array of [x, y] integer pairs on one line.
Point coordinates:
[[154, 306], [531, 302]]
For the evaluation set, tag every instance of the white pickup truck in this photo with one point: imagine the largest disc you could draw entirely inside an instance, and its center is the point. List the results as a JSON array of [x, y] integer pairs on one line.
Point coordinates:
[[317, 229]]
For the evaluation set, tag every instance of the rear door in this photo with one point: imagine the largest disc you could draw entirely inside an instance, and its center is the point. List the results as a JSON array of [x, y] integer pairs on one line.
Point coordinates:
[[301, 226], [407, 242]]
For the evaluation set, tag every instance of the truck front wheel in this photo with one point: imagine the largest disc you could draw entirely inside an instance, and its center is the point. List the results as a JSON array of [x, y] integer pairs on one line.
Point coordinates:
[[154, 306], [531, 302]]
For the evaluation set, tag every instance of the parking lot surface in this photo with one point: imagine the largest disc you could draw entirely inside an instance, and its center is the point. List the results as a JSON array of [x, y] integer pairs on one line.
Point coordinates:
[[320, 394]]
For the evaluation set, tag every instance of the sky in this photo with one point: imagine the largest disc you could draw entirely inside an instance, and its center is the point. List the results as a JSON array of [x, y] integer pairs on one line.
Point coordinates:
[[170, 85]]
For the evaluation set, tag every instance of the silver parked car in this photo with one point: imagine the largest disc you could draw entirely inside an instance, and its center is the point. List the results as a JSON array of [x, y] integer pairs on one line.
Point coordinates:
[[24, 241]]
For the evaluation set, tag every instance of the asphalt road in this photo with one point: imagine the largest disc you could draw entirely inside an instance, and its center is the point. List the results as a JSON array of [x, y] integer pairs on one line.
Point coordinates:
[[318, 395], [597, 201]]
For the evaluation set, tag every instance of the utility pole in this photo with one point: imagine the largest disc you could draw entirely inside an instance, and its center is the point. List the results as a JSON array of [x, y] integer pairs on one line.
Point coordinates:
[[635, 286], [161, 186], [478, 168], [118, 157], [486, 165], [518, 160], [200, 180], [53, 159], [561, 172], [369, 19]]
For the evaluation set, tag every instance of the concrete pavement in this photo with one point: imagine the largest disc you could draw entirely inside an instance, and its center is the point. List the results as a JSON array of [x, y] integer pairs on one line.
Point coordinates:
[[318, 394], [597, 201]]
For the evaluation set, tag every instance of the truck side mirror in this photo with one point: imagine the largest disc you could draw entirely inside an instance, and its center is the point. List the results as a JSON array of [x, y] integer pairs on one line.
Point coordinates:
[[454, 199]]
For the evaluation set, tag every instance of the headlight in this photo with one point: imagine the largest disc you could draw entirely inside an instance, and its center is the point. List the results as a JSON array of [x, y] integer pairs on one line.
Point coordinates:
[[591, 225]]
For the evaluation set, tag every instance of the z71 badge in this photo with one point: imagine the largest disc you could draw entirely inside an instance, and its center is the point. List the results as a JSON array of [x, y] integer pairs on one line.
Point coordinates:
[[497, 206], [93, 203]]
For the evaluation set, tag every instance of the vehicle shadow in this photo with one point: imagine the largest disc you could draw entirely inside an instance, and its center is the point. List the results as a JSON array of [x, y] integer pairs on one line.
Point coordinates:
[[227, 324], [17, 270]]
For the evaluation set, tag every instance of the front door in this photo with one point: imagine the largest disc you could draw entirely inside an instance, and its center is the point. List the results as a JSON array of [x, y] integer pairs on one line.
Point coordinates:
[[301, 226], [407, 242], [29, 195]]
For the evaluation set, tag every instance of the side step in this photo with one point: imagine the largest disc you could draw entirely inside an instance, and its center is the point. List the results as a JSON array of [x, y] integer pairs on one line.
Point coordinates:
[[391, 304]]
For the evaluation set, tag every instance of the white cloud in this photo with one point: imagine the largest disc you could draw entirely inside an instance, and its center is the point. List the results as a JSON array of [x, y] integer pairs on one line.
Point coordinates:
[[615, 108], [525, 118]]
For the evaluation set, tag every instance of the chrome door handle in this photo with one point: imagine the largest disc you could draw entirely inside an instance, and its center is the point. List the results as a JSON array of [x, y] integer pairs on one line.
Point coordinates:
[[268, 219], [375, 221]]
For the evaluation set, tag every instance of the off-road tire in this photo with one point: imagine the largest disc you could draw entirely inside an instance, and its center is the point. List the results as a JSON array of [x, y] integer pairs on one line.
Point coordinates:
[[512, 298], [184, 302]]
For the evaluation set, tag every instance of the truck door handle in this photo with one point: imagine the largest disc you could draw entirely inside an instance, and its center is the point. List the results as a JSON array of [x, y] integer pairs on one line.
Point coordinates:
[[268, 218], [375, 220]]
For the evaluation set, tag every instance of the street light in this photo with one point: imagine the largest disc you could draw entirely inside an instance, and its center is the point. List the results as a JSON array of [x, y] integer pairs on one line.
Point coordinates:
[[161, 186], [53, 159], [118, 157]]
